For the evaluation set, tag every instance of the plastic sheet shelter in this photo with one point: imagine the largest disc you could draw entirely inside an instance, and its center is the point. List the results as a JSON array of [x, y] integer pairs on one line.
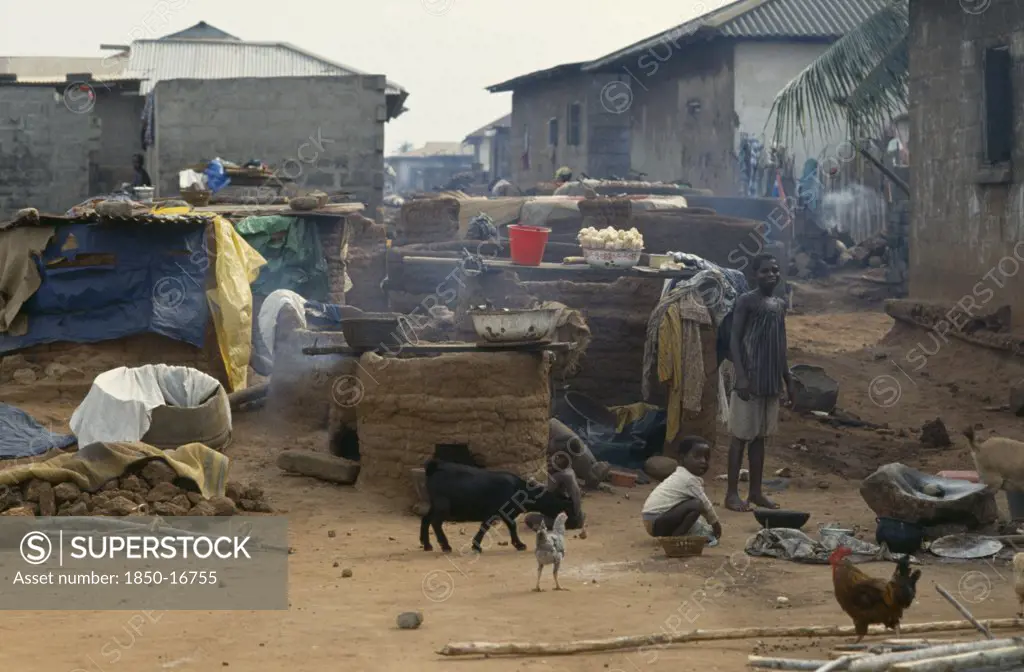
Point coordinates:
[[108, 279]]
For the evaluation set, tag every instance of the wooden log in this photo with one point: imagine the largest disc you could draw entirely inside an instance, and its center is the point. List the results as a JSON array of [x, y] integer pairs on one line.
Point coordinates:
[[631, 641], [882, 662], [1011, 655], [764, 663], [964, 612], [249, 394], [837, 664], [319, 465]]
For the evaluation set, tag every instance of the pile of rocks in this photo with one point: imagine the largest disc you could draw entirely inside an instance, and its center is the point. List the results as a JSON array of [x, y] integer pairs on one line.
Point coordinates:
[[150, 491], [19, 370]]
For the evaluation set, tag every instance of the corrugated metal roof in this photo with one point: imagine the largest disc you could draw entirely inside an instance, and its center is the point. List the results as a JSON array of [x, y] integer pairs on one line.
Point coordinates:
[[502, 122], [436, 149], [536, 76], [760, 19], [164, 59], [63, 78], [27, 67], [801, 18]]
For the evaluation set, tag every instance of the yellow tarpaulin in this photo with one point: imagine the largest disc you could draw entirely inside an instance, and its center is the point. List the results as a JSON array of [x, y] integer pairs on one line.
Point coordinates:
[[237, 267], [97, 463]]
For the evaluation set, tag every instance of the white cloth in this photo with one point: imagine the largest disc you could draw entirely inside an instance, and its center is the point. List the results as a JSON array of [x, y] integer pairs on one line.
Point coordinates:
[[188, 179], [677, 488], [120, 403], [749, 420], [272, 305]]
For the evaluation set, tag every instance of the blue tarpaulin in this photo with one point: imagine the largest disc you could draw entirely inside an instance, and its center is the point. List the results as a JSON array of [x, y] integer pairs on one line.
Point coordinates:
[[22, 436], [104, 282]]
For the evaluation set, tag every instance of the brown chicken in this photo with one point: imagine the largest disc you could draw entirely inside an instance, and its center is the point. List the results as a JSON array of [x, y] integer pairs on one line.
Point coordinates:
[[868, 600]]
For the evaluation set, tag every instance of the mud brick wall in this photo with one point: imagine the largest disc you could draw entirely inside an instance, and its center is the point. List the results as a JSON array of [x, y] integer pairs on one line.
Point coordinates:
[[496, 403], [428, 220], [84, 361], [367, 267], [617, 315], [332, 235]]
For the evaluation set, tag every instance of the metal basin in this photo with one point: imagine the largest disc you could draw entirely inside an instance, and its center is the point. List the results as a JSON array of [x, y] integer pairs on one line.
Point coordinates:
[[500, 326]]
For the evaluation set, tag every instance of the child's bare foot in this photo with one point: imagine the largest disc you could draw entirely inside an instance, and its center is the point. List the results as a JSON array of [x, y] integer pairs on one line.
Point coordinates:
[[763, 502], [734, 503]]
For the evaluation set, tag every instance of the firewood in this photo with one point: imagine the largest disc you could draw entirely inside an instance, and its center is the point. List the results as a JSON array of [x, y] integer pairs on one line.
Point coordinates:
[[796, 664], [632, 641], [882, 662], [973, 660]]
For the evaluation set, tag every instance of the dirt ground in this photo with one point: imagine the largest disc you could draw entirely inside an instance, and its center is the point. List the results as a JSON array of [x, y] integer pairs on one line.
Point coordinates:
[[620, 583]]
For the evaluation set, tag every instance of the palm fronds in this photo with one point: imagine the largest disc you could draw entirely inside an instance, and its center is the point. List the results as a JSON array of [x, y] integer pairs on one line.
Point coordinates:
[[861, 80]]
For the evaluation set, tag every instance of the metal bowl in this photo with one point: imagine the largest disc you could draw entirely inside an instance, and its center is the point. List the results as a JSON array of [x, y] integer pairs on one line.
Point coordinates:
[[612, 258]]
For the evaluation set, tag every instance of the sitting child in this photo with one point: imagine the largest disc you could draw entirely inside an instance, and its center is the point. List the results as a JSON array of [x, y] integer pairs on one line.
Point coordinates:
[[678, 507]]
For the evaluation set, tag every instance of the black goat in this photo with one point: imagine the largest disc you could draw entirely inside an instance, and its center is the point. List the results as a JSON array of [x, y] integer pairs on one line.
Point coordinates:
[[465, 494]]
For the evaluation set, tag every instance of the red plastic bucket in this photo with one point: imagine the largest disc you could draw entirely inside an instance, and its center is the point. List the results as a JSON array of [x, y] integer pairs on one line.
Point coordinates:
[[527, 243]]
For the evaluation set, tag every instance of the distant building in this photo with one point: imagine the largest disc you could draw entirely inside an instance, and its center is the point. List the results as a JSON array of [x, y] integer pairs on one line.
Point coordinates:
[[681, 105], [490, 145], [431, 166], [186, 98]]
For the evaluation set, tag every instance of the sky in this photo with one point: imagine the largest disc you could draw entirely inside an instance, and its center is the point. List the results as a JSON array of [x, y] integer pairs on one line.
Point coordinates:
[[444, 52]]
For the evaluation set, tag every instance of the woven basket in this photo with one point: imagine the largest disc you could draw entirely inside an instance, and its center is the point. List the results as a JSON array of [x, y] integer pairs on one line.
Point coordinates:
[[683, 547], [196, 198]]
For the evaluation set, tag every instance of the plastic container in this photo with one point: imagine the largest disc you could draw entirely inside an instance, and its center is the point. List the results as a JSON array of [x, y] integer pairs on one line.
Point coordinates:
[[527, 243], [900, 536]]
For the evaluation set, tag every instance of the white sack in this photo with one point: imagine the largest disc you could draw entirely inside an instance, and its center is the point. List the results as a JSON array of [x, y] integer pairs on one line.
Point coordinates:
[[120, 403]]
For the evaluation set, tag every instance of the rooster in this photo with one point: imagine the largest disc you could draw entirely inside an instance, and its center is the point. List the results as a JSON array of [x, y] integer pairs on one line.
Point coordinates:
[[868, 600], [550, 544]]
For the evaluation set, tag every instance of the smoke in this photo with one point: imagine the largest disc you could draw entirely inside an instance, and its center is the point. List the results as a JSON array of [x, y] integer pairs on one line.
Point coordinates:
[[855, 209]]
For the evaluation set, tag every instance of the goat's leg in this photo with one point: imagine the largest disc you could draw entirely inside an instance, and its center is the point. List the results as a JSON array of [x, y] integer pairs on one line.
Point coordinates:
[[540, 570], [438, 512], [514, 533], [425, 532], [479, 536], [555, 568]]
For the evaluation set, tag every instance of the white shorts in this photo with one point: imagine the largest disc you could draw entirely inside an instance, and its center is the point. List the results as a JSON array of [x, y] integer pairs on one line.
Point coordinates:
[[749, 420]]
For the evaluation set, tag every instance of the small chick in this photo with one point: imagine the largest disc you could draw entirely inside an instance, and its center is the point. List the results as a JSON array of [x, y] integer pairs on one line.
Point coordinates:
[[1018, 581], [550, 545]]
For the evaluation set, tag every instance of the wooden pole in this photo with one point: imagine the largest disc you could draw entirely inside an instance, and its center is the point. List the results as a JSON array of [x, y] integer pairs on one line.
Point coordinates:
[[663, 639], [1012, 655], [964, 612], [837, 664], [796, 664], [882, 662]]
